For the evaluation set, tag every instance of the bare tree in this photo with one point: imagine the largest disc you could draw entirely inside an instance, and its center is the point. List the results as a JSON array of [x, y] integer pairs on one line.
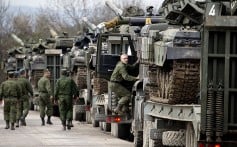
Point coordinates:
[[22, 25], [3, 13]]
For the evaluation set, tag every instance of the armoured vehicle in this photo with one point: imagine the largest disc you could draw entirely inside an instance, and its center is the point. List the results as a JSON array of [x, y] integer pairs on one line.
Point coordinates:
[[171, 106]]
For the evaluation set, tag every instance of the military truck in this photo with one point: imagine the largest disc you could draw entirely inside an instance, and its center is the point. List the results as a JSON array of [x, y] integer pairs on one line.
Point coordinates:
[[111, 44], [171, 106]]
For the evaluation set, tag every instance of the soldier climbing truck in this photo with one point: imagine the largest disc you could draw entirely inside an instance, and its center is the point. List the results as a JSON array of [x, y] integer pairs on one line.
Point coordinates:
[[187, 87]]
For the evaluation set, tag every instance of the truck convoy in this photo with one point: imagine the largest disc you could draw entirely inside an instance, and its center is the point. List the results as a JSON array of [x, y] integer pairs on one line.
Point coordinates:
[[186, 95], [186, 92]]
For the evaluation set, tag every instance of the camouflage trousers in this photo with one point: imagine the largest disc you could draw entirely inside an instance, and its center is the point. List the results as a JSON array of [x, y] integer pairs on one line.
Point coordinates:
[[122, 93], [10, 105], [23, 107], [65, 107], [45, 104]]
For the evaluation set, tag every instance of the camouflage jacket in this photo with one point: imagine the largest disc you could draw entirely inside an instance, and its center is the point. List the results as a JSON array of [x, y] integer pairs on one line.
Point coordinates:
[[66, 86], [25, 86], [44, 86], [120, 73], [9, 89]]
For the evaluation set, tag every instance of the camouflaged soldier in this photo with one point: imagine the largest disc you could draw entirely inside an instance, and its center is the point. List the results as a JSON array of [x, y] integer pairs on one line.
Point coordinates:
[[19, 106], [45, 97], [65, 90], [10, 92], [120, 74], [26, 89]]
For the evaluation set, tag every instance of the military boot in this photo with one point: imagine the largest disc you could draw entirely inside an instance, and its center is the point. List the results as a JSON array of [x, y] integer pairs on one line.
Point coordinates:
[[7, 124], [118, 109], [64, 125], [17, 123], [23, 121], [43, 122], [68, 125], [49, 120], [12, 126]]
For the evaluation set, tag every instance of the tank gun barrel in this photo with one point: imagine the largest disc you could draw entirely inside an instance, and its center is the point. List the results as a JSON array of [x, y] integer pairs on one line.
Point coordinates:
[[89, 24], [114, 8], [53, 32], [18, 40], [134, 21]]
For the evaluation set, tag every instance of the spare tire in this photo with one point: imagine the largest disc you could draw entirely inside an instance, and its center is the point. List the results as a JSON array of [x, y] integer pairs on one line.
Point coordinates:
[[173, 138]]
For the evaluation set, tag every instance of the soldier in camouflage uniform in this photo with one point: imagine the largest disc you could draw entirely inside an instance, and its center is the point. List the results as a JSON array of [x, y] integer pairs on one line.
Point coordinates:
[[10, 92], [45, 97], [65, 90], [26, 90], [19, 106], [120, 74]]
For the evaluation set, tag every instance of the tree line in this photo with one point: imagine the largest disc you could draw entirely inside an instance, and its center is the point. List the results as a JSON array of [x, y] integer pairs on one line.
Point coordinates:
[[61, 15]]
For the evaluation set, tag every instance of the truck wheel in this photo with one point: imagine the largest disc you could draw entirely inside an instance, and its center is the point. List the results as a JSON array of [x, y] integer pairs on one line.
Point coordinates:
[[121, 130], [106, 126], [94, 122], [81, 116], [138, 139], [173, 138], [101, 125]]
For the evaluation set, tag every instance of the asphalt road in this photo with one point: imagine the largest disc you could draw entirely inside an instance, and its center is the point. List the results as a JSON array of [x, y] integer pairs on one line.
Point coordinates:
[[35, 135]]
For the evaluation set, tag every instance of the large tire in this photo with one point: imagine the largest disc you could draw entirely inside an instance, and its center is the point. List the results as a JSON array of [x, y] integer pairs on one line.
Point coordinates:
[[121, 131], [173, 138], [94, 122], [81, 116], [106, 126], [138, 139], [157, 142]]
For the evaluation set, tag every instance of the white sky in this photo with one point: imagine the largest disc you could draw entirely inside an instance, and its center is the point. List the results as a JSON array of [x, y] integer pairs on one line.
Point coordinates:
[[28, 3], [39, 3]]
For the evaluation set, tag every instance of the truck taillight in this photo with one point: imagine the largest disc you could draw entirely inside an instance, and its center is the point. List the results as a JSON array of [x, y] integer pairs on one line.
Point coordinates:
[[208, 145], [217, 145], [201, 145], [113, 119], [87, 108]]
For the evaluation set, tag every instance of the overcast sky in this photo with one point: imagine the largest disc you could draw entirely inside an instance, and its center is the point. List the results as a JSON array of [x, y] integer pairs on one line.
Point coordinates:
[[39, 3]]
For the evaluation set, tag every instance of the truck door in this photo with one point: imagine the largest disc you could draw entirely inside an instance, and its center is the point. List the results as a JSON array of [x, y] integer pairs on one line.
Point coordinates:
[[109, 49]]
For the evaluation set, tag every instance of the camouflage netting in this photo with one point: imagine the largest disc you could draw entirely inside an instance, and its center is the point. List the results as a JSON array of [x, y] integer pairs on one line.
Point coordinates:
[[81, 78], [100, 86], [177, 85]]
